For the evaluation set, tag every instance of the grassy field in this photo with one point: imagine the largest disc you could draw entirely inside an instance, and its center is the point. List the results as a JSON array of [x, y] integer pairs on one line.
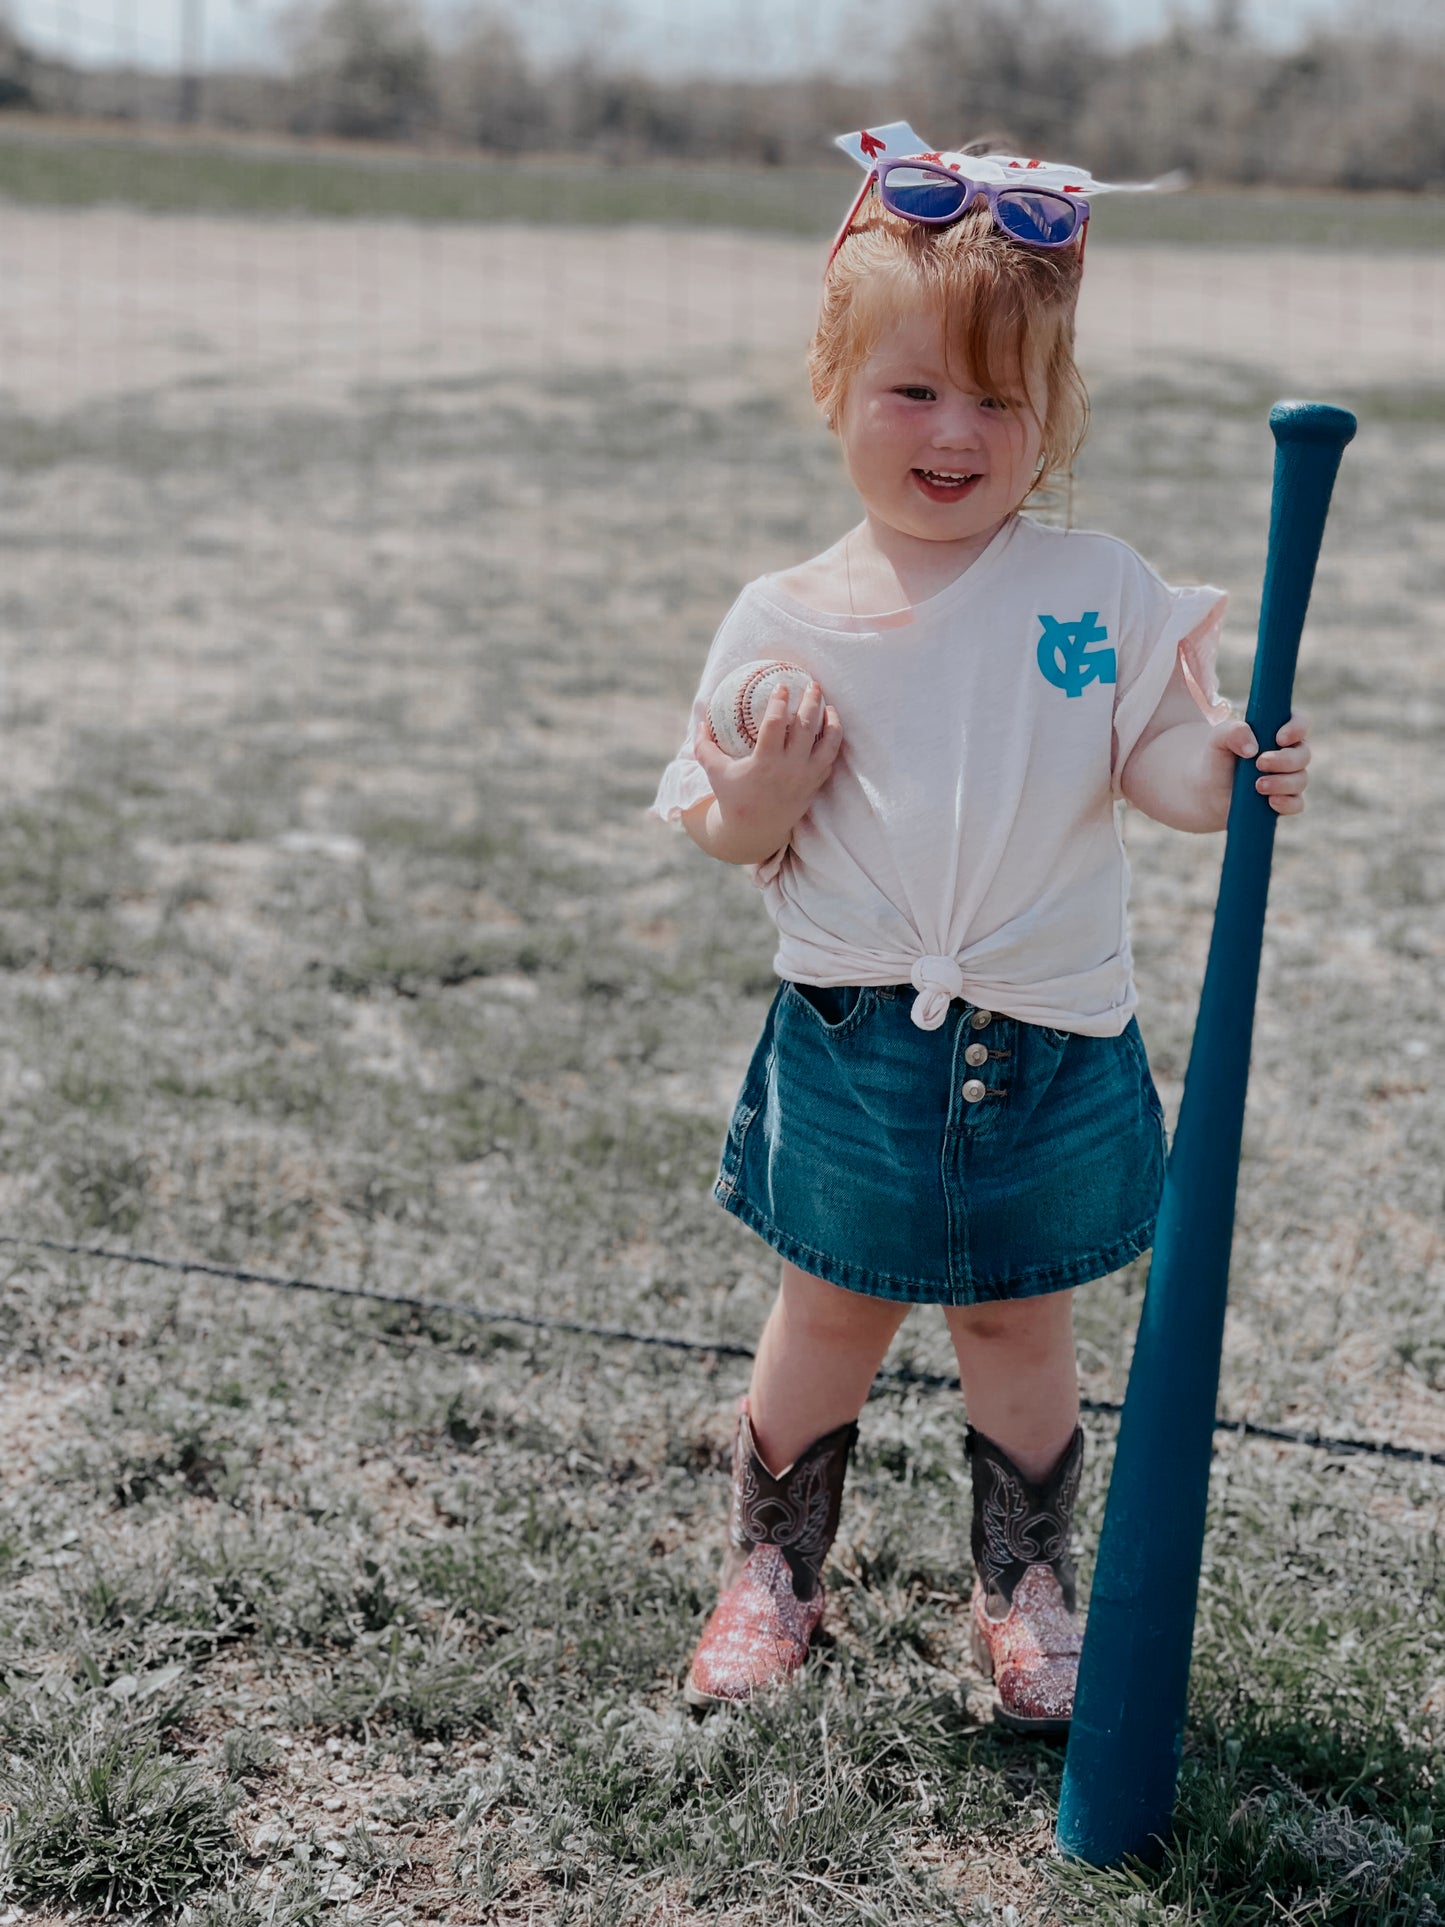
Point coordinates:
[[59, 165], [333, 941]]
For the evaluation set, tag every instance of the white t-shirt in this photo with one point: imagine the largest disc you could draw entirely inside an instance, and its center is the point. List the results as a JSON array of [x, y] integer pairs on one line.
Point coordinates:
[[968, 839]]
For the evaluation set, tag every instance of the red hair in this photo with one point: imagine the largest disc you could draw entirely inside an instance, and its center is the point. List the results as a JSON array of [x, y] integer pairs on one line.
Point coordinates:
[[1005, 309]]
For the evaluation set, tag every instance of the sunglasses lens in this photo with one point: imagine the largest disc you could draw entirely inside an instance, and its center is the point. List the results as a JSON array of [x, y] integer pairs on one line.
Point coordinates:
[[923, 197], [1042, 220]]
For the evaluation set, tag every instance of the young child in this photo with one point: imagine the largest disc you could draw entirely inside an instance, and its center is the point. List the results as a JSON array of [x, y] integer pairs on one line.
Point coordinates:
[[950, 1102]]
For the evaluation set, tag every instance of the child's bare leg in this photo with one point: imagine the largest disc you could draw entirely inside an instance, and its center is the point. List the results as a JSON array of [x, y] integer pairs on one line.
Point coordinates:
[[817, 1357], [1020, 1385], [1019, 1375]]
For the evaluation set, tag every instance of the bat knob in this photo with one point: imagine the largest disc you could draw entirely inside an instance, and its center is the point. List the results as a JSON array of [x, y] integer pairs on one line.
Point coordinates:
[[1312, 421]]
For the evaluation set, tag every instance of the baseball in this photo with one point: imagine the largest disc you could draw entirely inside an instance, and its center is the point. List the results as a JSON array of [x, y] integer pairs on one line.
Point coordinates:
[[735, 713]]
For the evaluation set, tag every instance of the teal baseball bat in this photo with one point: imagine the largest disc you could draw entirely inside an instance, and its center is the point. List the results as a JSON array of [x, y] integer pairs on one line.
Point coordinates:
[[1122, 1766]]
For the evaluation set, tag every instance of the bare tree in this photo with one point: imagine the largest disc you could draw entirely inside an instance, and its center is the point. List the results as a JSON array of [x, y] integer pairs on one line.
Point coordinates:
[[1186, 100], [17, 67], [488, 93], [1362, 111], [1020, 69], [360, 67]]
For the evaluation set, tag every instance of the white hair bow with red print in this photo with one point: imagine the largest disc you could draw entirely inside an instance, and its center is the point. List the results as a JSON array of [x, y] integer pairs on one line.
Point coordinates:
[[897, 141]]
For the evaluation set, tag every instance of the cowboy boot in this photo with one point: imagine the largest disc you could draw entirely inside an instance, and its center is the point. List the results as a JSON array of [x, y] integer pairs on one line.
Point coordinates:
[[1024, 1634], [771, 1597]]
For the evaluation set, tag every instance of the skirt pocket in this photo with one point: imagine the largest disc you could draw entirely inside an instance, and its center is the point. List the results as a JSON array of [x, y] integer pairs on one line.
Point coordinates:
[[836, 1008], [1133, 1037], [750, 1101]]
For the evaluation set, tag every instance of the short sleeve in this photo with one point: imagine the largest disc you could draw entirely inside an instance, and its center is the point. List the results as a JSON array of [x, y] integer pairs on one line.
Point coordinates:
[[684, 782], [1160, 625]]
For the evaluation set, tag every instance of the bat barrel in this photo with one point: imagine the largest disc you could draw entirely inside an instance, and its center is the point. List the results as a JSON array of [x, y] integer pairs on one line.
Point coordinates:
[[1127, 1734]]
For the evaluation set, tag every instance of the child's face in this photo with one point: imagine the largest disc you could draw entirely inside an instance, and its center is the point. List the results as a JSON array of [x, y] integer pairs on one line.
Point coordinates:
[[913, 429]]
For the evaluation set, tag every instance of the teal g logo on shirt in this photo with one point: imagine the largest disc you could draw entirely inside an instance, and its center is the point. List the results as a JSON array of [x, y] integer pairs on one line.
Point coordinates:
[[1065, 657]]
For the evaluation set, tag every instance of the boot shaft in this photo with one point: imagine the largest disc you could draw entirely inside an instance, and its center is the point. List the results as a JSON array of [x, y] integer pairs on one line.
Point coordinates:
[[795, 1510], [1020, 1522]]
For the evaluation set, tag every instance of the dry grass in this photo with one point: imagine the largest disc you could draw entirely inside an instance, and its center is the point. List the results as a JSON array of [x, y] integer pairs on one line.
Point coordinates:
[[347, 623]]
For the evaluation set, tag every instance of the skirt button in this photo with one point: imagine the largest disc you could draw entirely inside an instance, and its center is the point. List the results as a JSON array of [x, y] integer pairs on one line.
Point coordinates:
[[974, 1090], [981, 1018], [976, 1054]]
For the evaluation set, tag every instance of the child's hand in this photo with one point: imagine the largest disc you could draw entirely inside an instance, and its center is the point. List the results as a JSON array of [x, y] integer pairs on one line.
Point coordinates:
[[761, 796], [1283, 771]]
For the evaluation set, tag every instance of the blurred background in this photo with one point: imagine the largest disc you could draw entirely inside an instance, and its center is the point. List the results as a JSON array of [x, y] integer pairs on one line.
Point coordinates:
[[1310, 93]]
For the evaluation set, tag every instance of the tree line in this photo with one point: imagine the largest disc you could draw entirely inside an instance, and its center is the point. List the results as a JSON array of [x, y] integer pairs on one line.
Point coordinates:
[[1359, 104]]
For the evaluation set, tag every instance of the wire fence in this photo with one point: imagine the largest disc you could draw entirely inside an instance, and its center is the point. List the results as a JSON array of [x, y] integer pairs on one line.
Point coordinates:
[[894, 1378]]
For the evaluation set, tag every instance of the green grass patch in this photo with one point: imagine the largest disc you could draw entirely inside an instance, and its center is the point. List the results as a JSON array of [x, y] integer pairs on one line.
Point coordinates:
[[45, 169], [104, 1822], [54, 168]]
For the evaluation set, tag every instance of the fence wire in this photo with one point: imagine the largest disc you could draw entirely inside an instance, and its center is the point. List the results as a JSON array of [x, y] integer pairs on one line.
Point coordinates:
[[903, 1378]]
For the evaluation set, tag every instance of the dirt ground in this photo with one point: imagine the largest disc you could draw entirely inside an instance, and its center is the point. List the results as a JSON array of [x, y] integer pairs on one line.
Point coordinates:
[[105, 302]]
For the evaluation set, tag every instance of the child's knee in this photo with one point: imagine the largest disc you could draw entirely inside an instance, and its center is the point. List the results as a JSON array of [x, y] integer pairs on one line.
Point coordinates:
[[1031, 1325], [824, 1308]]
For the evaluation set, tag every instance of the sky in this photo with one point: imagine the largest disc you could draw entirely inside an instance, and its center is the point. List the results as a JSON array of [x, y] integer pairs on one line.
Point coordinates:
[[670, 36]]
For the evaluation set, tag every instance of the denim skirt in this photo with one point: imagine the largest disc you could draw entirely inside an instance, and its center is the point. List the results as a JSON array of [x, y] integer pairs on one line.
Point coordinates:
[[984, 1160]]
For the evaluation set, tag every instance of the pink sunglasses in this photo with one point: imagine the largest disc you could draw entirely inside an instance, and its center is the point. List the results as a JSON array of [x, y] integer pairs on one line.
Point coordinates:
[[924, 190]]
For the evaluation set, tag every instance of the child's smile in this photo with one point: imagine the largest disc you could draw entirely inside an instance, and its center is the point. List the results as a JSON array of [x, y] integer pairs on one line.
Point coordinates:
[[940, 487]]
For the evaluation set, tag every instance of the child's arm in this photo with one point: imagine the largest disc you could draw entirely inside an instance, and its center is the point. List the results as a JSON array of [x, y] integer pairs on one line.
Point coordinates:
[[1181, 770], [757, 799]]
